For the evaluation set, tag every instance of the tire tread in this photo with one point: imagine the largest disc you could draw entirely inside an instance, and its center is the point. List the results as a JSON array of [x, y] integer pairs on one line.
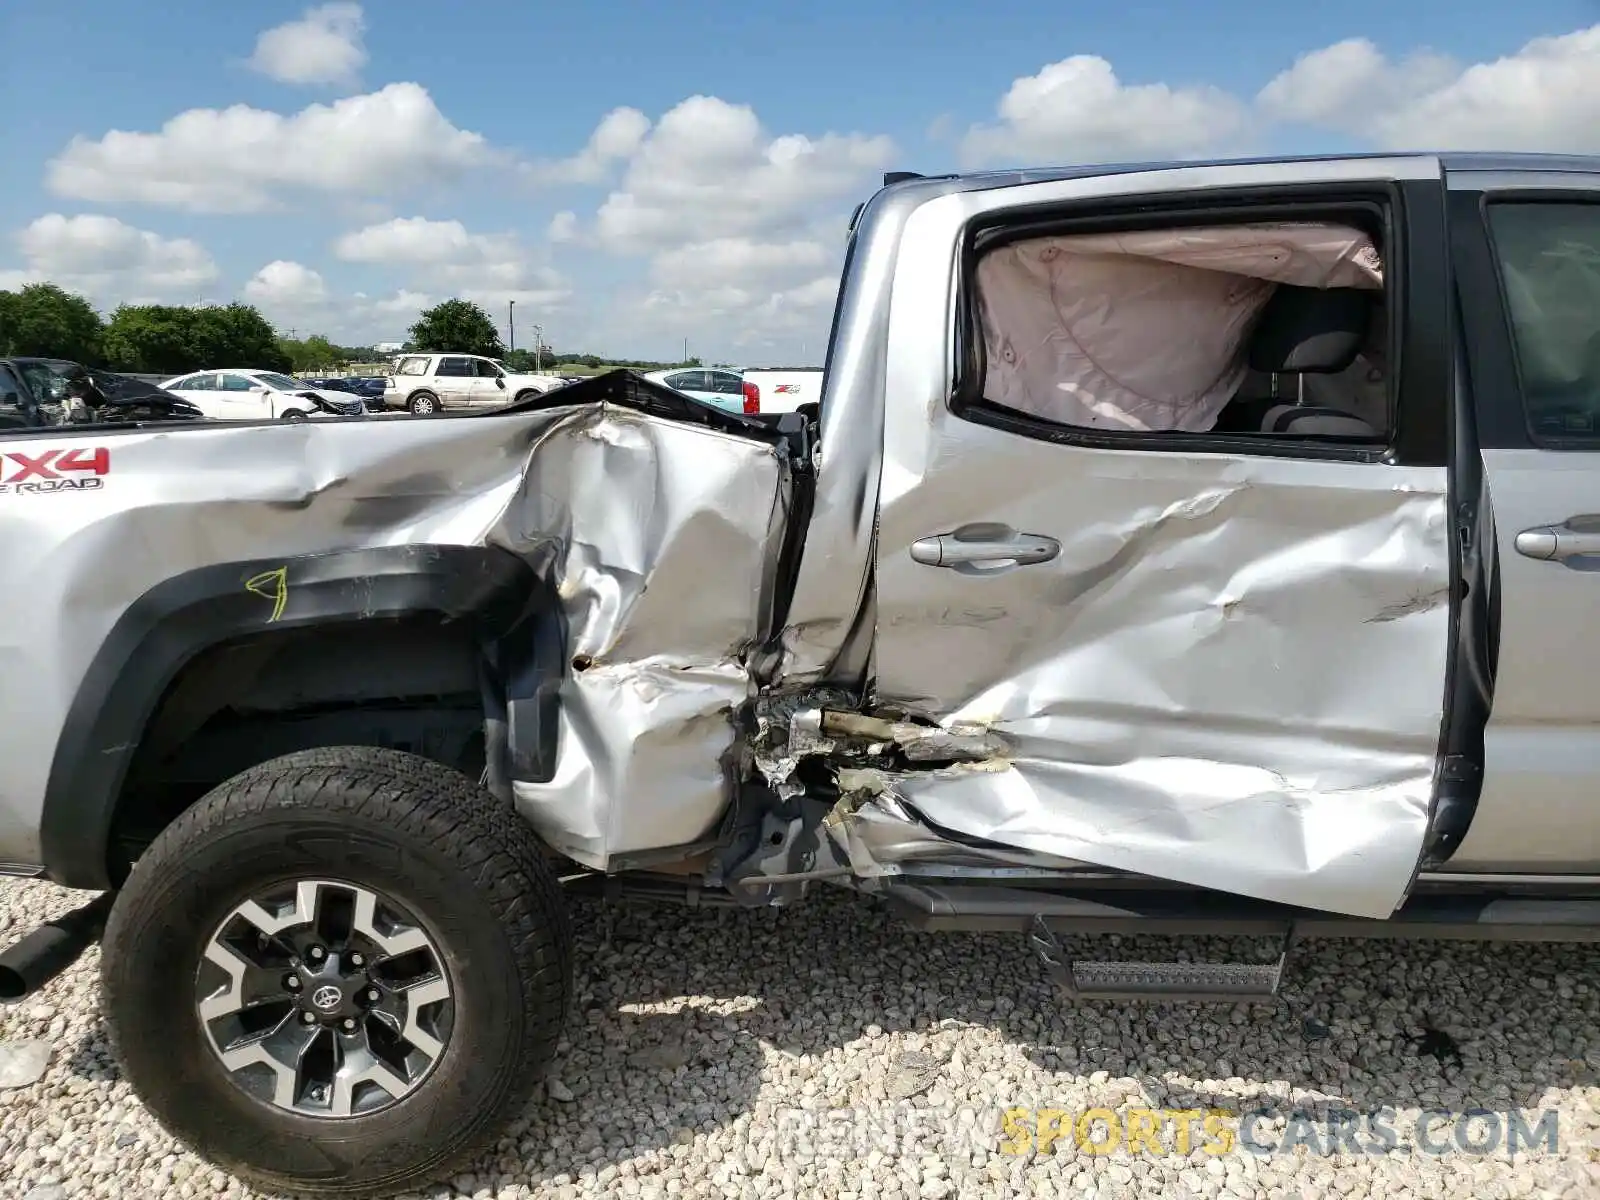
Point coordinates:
[[421, 801]]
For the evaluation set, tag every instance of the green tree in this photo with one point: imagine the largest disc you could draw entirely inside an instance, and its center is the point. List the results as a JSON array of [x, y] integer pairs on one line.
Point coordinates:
[[153, 338], [45, 320], [322, 352], [457, 327], [236, 335], [315, 353], [164, 339]]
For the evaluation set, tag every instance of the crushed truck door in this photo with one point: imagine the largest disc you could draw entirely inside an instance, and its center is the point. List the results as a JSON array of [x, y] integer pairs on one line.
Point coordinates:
[[1164, 509]]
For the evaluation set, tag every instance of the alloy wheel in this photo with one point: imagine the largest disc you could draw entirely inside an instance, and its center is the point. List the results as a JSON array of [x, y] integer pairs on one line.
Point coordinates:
[[324, 999]]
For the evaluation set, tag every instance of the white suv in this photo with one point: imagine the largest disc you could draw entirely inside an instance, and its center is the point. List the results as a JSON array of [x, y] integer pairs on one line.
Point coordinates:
[[428, 383]]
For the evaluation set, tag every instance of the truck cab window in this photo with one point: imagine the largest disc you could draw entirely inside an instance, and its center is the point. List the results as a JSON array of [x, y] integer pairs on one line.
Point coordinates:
[[1277, 329], [1549, 258]]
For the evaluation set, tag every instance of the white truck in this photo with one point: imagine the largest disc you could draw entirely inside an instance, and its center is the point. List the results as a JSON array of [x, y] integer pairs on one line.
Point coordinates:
[[781, 391]]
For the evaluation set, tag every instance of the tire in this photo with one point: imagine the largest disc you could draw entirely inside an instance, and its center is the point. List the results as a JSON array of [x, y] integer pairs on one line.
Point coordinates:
[[430, 843], [423, 404], [294, 414]]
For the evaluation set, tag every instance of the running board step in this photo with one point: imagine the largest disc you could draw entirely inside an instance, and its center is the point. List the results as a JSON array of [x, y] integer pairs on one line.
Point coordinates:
[[1170, 982]]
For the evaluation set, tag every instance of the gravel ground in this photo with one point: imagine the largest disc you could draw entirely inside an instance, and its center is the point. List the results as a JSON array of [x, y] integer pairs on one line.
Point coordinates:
[[826, 1051]]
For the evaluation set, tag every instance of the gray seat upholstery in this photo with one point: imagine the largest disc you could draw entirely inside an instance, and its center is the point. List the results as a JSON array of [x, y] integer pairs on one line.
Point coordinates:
[[1305, 418], [1311, 331]]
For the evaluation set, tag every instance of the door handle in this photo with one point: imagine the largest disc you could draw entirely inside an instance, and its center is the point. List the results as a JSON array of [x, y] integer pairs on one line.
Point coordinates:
[[952, 550], [1578, 538]]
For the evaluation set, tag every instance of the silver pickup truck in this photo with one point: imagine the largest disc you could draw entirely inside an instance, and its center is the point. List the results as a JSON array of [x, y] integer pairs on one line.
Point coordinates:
[[1195, 547]]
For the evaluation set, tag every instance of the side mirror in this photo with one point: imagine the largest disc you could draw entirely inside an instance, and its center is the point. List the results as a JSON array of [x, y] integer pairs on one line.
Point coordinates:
[[500, 382]]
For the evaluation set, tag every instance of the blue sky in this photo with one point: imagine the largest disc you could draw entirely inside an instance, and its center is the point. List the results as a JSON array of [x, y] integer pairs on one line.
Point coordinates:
[[343, 164]]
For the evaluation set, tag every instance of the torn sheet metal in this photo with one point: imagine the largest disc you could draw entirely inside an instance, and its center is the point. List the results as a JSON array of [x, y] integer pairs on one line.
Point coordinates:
[[660, 518], [665, 541]]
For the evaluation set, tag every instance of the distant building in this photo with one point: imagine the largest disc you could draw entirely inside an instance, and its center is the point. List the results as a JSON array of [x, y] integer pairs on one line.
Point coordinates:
[[389, 347]]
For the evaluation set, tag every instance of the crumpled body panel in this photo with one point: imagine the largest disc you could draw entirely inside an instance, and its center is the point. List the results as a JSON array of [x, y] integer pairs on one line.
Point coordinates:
[[659, 529], [1231, 676], [1143, 330], [665, 540]]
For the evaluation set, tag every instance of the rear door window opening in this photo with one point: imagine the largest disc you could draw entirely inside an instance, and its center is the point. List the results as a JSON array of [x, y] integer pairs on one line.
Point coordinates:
[[1255, 329]]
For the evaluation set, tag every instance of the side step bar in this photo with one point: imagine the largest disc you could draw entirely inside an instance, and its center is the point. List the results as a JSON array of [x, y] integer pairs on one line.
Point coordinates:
[[1043, 915], [976, 909], [1231, 983]]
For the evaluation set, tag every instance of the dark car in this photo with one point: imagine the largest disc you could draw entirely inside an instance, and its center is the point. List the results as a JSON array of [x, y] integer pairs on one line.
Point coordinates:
[[368, 387], [36, 392]]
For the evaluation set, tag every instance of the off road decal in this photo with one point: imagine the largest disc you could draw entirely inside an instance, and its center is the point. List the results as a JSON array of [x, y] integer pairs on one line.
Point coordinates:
[[271, 585], [786, 388], [43, 472]]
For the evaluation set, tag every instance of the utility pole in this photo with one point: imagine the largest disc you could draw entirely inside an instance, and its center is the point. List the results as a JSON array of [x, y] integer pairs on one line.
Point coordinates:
[[685, 350], [511, 325], [538, 349]]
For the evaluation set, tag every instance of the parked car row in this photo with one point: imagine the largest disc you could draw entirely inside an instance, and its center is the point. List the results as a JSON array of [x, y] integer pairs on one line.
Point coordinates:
[[744, 391], [244, 395], [54, 391]]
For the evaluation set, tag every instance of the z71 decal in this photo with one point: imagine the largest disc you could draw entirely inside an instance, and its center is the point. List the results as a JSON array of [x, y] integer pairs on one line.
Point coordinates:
[[41, 472]]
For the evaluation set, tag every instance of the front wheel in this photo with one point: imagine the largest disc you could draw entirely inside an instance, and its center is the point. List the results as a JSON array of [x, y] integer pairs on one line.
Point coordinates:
[[294, 414], [342, 973]]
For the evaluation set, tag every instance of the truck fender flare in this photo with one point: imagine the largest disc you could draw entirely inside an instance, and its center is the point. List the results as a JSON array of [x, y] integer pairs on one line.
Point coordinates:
[[180, 618]]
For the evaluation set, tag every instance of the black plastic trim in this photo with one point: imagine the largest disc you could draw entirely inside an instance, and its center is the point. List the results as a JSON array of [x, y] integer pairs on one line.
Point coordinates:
[[169, 625], [1409, 219], [1481, 917], [1491, 359], [629, 389]]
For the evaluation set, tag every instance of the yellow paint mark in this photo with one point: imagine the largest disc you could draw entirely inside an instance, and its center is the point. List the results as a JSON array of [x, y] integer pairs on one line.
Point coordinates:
[[274, 586]]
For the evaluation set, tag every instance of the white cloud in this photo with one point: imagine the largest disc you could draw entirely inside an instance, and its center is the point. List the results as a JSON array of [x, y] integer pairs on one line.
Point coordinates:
[[417, 240], [323, 46], [489, 268], [296, 298], [284, 284], [1344, 84], [754, 295], [742, 231], [733, 262], [1546, 96], [615, 140], [109, 261], [707, 169], [243, 159], [1079, 110], [564, 227]]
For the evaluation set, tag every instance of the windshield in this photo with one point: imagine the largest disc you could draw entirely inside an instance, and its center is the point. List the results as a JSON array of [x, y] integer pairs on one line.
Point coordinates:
[[47, 380], [283, 382]]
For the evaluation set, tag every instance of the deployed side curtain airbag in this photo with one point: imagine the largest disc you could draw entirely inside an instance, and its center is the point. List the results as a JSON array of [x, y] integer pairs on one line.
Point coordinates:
[[1146, 330]]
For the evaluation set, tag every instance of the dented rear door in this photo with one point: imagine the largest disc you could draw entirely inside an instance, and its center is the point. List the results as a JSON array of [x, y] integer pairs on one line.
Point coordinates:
[[1215, 667]]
